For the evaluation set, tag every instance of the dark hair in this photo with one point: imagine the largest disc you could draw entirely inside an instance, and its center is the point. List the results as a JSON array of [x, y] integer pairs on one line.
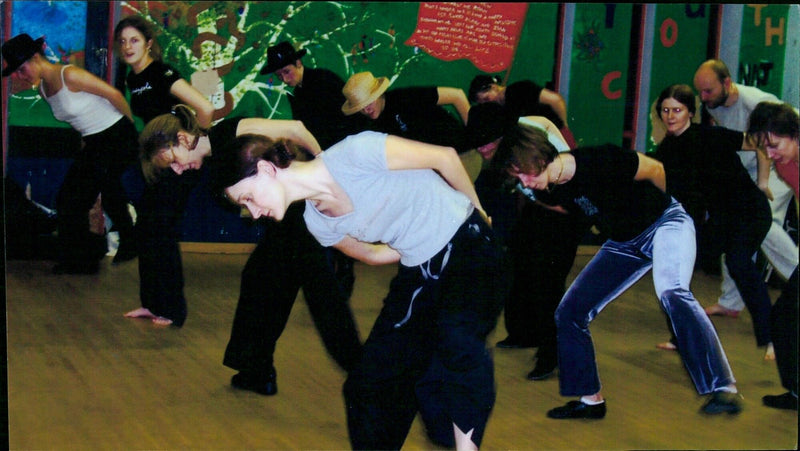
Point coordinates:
[[481, 83], [239, 159], [525, 148], [148, 31], [162, 133], [682, 93], [486, 123], [772, 117]]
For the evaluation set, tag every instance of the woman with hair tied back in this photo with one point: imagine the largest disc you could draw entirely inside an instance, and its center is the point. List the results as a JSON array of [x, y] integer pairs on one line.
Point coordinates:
[[154, 88], [452, 277], [704, 173], [103, 118], [285, 260]]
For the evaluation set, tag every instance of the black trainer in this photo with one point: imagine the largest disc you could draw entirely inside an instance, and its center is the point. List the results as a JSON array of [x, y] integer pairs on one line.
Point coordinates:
[[722, 402], [578, 409]]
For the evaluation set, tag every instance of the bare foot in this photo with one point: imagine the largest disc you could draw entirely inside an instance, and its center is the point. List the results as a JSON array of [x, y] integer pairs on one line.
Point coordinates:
[[161, 321], [770, 353], [720, 310], [667, 346], [140, 313]]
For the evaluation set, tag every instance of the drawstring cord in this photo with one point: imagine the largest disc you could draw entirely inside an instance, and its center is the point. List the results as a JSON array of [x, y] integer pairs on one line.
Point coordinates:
[[427, 274]]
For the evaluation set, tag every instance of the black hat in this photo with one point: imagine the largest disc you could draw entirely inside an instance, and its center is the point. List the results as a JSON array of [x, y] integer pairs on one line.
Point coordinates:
[[481, 83], [486, 123], [279, 56], [19, 49]]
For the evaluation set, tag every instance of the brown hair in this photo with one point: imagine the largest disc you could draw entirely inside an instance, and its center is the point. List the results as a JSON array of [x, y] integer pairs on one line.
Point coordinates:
[[239, 159], [681, 93], [148, 31], [160, 134], [771, 117], [526, 148]]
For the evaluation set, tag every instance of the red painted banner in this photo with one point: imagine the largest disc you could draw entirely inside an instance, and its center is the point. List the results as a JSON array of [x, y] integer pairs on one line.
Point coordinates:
[[485, 33]]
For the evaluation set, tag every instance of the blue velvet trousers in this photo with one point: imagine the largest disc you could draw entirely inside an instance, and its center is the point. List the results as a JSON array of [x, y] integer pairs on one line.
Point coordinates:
[[668, 247]]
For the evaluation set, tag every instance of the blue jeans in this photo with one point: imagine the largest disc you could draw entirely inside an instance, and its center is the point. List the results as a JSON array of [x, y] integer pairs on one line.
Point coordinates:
[[668, 247]]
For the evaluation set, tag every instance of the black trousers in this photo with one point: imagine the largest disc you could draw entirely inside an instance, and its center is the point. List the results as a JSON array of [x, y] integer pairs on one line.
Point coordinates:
[[783, 327], [429, 344], [287, 259], [160, 208], [543, 247], [97, 169]]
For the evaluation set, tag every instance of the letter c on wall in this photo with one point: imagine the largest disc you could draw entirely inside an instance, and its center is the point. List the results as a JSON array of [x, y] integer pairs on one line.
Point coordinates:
[[611, 76]]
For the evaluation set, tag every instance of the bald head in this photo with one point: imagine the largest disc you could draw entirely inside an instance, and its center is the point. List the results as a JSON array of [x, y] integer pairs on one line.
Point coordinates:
[[713, 81]]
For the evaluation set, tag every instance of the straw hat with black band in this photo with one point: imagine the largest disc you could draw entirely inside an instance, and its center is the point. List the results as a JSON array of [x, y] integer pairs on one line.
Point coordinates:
[[361, 90]]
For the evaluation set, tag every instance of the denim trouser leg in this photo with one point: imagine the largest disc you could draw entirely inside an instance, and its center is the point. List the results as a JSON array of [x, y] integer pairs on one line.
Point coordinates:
[[668, 246], [612, 270], [673, 254]]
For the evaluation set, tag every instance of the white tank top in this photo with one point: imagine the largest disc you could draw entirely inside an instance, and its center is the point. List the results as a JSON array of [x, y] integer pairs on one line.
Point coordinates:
[[85, 112]]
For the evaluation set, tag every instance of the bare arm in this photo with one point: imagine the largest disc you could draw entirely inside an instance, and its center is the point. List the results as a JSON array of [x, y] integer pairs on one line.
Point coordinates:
[[402, 153], [78, 79], [455, 97], [192, 97], [371, 254], [652, 170], [549, 127], [294, 131], [763, 165], [556, 102]]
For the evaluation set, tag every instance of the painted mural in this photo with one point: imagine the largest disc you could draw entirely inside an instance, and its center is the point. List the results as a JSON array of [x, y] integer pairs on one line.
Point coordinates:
[[63, 25], [221, 46]]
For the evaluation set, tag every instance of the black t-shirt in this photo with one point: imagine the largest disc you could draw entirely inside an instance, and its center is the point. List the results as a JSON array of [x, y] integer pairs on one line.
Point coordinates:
[[604, 192], [522, 99], [318, 105], [703, 161], [149, 90], [413, 113], [223, 132]]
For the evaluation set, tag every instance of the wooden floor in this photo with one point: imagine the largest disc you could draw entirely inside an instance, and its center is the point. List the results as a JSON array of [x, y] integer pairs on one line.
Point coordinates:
[[80, 376]]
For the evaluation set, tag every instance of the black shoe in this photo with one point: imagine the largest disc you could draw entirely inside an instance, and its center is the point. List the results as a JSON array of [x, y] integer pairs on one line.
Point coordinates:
[[512, 343], [541, 371], [786, 401], [125, 252], [77, 268], [578, 409], [257, 382], [722, 402]]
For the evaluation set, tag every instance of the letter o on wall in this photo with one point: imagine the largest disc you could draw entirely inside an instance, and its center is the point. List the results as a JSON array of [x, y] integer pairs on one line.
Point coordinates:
[[669, 32], [611, 76]]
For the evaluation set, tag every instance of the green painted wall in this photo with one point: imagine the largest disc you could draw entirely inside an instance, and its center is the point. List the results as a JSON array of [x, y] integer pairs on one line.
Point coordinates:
[[679, 46], [599, 72], [762, 53]]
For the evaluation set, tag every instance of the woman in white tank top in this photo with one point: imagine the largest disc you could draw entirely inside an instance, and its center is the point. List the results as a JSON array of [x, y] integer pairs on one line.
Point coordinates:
[[102, 116]]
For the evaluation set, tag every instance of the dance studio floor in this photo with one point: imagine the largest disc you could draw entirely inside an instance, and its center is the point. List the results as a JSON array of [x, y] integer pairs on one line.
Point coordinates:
[[80, 376]]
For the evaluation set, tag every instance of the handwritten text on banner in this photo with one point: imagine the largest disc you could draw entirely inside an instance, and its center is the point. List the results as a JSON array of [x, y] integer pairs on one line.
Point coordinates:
[[484, 33]]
